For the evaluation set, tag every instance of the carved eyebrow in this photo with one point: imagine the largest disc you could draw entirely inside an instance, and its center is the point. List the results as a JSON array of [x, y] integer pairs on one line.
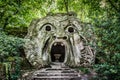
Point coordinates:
[[47, 24], [72, 26], [69, 25]]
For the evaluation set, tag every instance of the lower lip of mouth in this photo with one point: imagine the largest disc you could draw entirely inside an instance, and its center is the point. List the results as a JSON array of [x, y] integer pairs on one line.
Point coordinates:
[[57, 52]]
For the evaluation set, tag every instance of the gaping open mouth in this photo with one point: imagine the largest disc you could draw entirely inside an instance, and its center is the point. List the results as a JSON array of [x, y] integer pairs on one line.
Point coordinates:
[[58, 52]]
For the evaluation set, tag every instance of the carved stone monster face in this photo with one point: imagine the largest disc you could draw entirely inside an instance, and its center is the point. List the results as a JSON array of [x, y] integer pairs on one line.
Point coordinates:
[[59, 38]]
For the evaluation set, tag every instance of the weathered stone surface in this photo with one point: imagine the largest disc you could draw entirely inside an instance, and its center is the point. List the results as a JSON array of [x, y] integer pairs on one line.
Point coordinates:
[[60, 38], [58, 71]]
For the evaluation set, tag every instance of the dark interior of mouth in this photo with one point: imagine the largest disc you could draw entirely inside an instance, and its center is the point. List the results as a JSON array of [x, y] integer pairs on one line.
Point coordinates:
[[58, 52]]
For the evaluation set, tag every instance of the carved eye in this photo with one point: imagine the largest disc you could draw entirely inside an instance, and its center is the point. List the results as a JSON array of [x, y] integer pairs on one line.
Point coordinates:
[[48, 28], [71, 29]]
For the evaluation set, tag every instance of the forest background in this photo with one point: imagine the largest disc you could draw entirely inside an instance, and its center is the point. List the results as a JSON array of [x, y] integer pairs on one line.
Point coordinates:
[[103, 15]]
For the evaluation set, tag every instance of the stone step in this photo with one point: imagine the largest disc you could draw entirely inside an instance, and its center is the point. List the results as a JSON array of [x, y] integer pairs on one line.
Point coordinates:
[[55, 69], [57, 74], [56, 78], [58, 71]]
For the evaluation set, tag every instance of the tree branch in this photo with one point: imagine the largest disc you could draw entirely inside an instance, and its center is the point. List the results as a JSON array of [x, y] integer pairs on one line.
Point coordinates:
[[66, 5]]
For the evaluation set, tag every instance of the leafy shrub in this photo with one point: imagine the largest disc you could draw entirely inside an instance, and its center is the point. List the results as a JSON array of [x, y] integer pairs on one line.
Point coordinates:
[[9, 47], [9, 55], [108, 49], [107, 72]]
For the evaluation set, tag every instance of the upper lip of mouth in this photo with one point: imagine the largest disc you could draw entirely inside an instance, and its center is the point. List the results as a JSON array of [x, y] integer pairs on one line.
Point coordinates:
[[58, 43]]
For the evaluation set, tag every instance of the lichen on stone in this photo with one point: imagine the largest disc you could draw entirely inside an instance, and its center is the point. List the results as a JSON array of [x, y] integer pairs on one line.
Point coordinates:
[[60, 37]]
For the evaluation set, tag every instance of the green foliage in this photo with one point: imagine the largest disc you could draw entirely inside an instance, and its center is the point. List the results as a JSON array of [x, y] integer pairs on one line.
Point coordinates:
[[84, 70], [108, 45], [9, 47], [9, 55], [12, 72], [18, 32], [103, 14], [20, 13], [107, 72]]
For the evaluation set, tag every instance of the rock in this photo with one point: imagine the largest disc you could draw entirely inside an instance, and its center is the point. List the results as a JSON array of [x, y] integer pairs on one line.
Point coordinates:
[[59, 37], [58, 71]]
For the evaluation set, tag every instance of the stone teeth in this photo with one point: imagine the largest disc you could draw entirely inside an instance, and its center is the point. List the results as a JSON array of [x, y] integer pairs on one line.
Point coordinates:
[[58, 44], [55, 44], [62, 44]]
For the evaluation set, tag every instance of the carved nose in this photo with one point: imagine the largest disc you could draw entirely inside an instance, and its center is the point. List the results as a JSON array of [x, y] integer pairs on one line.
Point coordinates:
[[65, 37]]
